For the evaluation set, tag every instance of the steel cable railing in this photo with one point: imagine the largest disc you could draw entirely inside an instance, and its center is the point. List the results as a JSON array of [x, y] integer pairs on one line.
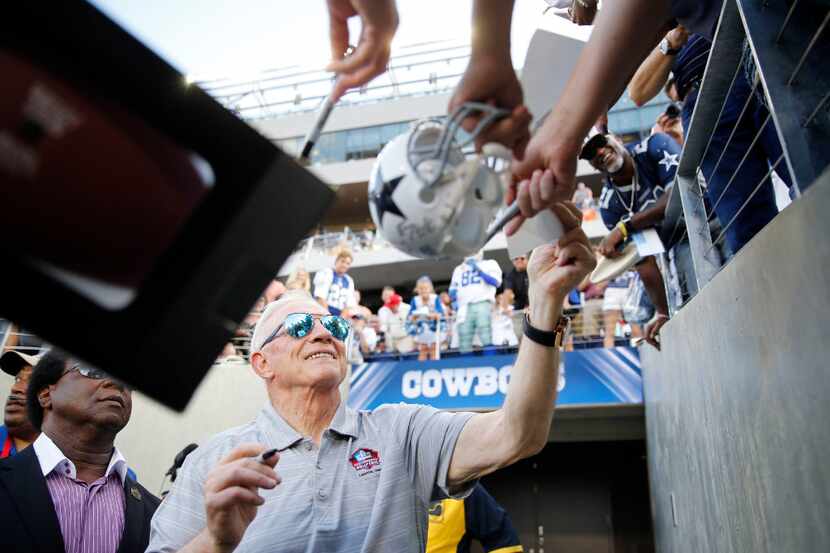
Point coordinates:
[[768, 44]]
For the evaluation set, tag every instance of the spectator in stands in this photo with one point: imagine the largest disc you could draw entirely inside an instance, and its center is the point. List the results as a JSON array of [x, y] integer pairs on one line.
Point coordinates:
[[743, 117], [333, 288], [669, 122], [612, 307], [425, 312], [299, 279], [455, 523], [474, 283], [386, 293], [393, 316], [503, 333], [449, 317], [516, 282], [71, 490], [364, 337], [583, 196], [374, 325], [358, 308], [17, 432], [354, 350], [633, 197]]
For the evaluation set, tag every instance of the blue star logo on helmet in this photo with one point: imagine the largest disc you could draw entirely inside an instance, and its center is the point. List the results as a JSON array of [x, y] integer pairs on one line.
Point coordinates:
[[383, 198]]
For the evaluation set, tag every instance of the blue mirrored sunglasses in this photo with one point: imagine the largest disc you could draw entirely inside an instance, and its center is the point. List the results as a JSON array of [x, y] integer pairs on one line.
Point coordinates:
[[299, 325]]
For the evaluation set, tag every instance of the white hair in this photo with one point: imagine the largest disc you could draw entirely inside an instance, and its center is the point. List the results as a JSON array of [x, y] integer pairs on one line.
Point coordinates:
[[261, 330]]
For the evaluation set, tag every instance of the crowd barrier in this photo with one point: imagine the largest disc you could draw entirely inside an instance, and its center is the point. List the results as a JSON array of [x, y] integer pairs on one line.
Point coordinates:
[[779, 47]]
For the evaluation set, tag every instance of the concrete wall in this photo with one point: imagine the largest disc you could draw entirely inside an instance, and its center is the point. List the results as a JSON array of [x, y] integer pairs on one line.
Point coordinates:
[[738, 401], [230, 395]]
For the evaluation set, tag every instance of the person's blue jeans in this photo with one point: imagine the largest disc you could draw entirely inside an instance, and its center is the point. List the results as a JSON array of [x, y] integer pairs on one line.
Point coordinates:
[[761, 208]]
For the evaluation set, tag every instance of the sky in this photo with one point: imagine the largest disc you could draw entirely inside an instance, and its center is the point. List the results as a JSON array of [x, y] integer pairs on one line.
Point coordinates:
[[224, 38]]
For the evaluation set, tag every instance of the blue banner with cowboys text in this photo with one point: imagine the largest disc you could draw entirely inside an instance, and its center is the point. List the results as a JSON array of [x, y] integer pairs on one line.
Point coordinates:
[[586, 377]]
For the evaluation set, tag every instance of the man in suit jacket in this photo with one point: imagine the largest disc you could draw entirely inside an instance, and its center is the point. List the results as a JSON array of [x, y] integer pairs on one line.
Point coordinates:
[[70, 490]]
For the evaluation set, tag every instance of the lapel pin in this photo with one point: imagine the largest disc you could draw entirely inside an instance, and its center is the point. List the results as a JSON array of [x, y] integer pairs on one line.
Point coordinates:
[[135, 493]]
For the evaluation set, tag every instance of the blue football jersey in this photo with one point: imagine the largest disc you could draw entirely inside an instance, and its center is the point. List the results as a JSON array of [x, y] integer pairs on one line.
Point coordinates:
[[655, 163]]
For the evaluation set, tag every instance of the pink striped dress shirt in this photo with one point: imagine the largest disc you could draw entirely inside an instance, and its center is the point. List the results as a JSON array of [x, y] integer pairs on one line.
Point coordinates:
[[91, 516]]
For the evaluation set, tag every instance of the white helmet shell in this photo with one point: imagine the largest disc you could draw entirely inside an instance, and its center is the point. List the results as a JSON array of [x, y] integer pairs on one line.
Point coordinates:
[[427, 200]]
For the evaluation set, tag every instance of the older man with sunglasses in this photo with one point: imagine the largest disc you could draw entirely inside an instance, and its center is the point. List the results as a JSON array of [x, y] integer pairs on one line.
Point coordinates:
[[71, 490], [310, 474]]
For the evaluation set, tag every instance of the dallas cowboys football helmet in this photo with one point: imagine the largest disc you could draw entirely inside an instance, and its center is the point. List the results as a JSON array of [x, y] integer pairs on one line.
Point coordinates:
[[427, 199]]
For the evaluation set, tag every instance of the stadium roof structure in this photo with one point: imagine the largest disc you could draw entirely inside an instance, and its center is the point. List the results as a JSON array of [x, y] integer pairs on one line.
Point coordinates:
[[414, 70]]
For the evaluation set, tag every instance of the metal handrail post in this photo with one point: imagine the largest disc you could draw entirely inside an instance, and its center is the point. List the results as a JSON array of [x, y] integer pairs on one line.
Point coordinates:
[[724, 58]]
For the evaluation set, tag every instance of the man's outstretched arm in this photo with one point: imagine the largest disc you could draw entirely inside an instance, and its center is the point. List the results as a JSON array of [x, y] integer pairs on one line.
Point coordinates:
[[520, 428]]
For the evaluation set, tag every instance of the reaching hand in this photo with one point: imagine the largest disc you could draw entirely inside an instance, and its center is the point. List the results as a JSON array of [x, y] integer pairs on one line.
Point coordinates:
[[608, 246], [677, 37], [555, 269], [492, 80], [380, 21], [651, 332], [231, 497], [545, 176]]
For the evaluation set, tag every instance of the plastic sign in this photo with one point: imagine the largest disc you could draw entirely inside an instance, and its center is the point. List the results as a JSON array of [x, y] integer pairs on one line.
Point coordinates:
[[591, 376]]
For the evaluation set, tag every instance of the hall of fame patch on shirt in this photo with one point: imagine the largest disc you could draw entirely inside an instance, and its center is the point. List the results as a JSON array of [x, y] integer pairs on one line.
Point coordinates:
[[365, 461]]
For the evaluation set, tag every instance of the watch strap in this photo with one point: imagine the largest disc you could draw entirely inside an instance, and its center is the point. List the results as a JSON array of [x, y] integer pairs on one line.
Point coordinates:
[[547, 338]]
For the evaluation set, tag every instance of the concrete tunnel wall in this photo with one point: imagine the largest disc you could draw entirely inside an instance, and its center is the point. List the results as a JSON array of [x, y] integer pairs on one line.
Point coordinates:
[[738, 401]]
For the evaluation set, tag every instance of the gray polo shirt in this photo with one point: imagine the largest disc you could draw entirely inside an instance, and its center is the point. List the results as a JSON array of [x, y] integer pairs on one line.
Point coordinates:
[[366, 489]]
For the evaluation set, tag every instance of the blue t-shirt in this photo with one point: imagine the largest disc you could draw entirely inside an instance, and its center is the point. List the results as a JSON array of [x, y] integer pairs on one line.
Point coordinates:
[[655, 163], [690, 63]]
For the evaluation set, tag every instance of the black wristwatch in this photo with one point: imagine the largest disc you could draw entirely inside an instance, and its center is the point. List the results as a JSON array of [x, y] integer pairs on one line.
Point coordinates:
[[548, 338]]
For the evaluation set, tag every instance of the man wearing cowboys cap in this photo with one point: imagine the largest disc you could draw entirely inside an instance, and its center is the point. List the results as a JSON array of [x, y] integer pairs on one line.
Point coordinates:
[[633, 199]]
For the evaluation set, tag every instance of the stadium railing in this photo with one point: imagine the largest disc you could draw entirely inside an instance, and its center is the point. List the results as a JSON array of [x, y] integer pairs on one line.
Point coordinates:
[[782, 47]]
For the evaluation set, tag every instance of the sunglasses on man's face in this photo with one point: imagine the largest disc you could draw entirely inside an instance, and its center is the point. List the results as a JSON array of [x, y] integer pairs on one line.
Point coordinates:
[[95, 374], [299, 325], [89, 372], [591, 148]]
